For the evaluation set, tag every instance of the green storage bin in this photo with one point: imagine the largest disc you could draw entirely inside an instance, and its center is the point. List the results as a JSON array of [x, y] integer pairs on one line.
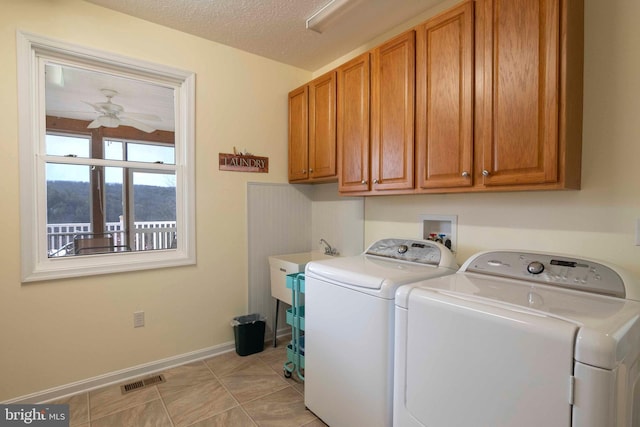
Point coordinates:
[[291, 317], [291, 353], [294, 278]]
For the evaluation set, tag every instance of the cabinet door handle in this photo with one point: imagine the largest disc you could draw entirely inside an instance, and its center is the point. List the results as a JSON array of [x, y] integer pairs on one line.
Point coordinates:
[[485, 173], [310, 170], [304, 171], [375, 181], [465, 174], [363, 182]]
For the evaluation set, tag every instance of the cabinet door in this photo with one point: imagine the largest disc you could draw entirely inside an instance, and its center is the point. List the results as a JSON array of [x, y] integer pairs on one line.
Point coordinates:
[[517, 91], [353, 125], [322, 127], [298, 134], [444, 103], [392, 113]]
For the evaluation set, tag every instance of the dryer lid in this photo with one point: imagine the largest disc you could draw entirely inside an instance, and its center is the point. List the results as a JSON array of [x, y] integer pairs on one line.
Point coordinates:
[[464, 364], [608, 328]]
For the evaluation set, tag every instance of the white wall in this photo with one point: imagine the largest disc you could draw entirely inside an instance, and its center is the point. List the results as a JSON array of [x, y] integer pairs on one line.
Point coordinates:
[[597, 221], [278, 222], [284, 219]]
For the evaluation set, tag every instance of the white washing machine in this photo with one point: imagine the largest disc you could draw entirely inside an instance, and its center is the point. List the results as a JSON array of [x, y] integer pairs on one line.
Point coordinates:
[[519, 339], [349, 327]]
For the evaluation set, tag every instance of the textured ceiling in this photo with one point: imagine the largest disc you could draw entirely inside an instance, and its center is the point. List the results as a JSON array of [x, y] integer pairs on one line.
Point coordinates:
[[271, 28], [276, 28]]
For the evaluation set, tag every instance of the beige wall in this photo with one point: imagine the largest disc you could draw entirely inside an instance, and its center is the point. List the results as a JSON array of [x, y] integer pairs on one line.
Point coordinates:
[[58, 332], [68, 330], [597, 221]]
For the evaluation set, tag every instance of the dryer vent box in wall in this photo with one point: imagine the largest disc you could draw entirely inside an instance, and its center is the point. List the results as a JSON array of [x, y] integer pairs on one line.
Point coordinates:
[[440, 228]]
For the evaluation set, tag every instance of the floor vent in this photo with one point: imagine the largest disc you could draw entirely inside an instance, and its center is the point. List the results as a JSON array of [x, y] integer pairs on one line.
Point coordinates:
[[145, 382]]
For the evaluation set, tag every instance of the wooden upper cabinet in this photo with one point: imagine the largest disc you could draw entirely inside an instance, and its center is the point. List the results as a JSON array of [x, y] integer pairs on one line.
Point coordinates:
[[322, 127], [353, 125], [298, 134], [392, 113], [522, 63], [312, 130], [444, 99], [486, 96]]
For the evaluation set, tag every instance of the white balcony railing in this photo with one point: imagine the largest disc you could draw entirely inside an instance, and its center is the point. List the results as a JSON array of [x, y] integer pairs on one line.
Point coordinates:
[[148, 235]]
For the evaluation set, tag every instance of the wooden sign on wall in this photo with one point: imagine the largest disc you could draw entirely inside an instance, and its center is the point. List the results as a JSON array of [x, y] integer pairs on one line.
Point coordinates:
[[243, 163]]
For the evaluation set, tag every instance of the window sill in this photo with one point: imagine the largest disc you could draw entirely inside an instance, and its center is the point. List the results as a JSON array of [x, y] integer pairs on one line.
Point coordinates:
[[91, 265]]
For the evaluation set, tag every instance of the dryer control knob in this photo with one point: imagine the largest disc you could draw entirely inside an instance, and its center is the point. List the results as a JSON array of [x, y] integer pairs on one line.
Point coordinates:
[[402, 249], [535, 267]]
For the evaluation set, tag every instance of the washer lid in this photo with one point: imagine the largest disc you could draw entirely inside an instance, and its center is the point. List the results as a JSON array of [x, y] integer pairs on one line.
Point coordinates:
[[372, 272], [387, 264], [608, 327]]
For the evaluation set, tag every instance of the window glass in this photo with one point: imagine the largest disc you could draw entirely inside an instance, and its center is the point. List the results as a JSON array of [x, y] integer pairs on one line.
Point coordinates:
[[68, 206], [65, 145], [150, 153], [113, 150], [115, 208], [120, 208], [154, 214]]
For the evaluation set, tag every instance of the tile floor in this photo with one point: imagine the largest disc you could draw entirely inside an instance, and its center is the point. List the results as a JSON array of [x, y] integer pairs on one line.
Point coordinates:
[[226, 390]]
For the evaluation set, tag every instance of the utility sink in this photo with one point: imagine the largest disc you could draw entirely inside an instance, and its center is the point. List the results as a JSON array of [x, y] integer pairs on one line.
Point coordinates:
[[281, 265]]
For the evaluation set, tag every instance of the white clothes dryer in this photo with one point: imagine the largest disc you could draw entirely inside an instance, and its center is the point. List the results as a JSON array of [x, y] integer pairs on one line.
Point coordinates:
[[519, 339], [349, 327]]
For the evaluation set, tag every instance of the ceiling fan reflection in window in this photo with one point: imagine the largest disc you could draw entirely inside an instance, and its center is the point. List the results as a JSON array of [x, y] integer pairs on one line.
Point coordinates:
[[113, 115]]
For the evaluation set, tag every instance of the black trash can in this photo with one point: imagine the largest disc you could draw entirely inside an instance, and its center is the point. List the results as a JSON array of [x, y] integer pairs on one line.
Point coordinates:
[[249, 333]]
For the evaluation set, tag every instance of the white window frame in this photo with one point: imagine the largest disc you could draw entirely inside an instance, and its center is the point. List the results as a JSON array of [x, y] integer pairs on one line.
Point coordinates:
[[32, 49]]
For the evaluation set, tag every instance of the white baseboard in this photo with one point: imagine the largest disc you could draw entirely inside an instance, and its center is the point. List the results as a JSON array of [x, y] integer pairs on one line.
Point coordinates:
[[283, 332], [122, 375]]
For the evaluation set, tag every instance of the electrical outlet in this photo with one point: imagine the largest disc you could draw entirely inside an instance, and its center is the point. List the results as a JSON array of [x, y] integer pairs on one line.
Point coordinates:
[[138, 319], [638, 232]]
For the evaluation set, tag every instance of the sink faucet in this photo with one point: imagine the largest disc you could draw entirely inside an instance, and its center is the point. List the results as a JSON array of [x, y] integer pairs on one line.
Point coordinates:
[[328, 250]]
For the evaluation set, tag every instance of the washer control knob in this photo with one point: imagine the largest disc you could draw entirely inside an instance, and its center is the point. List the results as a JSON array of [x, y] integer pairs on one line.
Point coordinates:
[[535, 267], [402, 249]]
